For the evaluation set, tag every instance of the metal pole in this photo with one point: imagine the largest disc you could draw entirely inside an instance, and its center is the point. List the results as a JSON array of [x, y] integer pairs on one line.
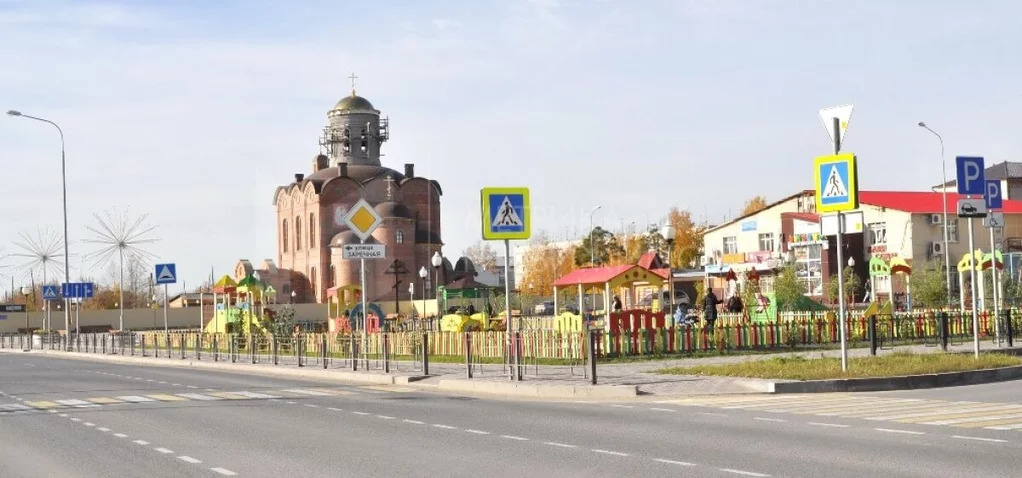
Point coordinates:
[[365, 314], [972, 277], [120, 287], [943, 192], [166, 328], [840, 263], [997, 308], [507, 305]]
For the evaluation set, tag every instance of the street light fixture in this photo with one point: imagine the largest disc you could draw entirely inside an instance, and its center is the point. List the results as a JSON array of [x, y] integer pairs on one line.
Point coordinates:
[[669, 232], [437, 260], [63, 180], [423, 273], [27, 292], [943, 191]]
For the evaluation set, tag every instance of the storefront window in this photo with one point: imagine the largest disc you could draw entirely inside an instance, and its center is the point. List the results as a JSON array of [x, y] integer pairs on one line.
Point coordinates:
[[809, 268], [878, 233]]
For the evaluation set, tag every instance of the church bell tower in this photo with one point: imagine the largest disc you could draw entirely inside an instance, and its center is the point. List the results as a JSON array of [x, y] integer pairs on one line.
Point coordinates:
[[355, 132]]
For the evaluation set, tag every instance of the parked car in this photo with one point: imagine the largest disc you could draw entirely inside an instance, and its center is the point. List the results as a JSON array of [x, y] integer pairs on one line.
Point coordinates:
[[680, 298]]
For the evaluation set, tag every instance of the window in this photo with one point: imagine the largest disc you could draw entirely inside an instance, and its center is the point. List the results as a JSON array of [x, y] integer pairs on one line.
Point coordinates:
[[283, 238], [312, 282], [298, 233], [400, 237], [766, 242], [312, 230], [730, 245], [809, 268], [952, 230], [331, 279], [878, 233]]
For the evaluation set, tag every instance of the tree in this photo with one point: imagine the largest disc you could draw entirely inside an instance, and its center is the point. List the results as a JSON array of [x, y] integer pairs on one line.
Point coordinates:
[[929, 287], [754, 205], [688, 238], [603, 246], [282, 321], [482, 255], [545, 263], [851, 285], [632, 248], [788, 290]]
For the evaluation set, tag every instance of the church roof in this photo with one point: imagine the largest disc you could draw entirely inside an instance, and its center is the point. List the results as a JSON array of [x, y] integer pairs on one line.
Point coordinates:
[[348, 237], [362, 173], [352, 103], [390, 209]]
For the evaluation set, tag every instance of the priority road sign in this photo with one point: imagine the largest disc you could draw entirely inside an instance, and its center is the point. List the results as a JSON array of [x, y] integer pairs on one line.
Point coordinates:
[[970, 175], [837, 184], [50, 292], [166, 273], [362, 219], [993, 194], [506, 213]]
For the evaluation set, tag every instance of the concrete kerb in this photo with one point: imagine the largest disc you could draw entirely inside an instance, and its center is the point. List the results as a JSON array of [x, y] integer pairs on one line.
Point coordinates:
[[539, 391], [908, 382]]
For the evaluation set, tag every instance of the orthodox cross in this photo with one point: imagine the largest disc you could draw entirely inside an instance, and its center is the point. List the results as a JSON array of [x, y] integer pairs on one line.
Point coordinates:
[[353, 78]]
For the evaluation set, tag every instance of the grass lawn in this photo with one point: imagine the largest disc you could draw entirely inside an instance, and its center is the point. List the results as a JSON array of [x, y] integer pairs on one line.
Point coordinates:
[[798, 368]]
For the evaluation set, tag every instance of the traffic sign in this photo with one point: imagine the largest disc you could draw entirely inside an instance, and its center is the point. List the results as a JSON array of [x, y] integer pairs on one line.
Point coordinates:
[[362, 219], [50, 292], [506, 213], [972, 207], [363, 251], [970, 175], [842, 113], [837, 184], [75, 290], [993, 194], [166, 273], [994, 219]]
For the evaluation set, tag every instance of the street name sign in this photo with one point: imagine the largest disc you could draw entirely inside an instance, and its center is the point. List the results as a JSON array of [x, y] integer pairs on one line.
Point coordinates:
[[363, 251]]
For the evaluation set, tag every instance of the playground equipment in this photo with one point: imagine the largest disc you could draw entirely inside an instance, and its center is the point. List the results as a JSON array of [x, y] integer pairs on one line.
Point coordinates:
[[237, 309]]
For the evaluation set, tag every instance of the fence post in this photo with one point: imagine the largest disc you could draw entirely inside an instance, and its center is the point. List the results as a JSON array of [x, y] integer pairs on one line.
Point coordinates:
[[298, 348], [325, 352], [944, 331], [1008, 329], [354, 352], [468, 353], [386, 352], [276, 349], [251, 347], [873, 335], [425, 353], [592, 355]]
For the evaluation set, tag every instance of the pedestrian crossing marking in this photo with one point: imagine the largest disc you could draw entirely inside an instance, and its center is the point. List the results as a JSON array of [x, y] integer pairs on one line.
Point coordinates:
[[384, 388], [167, 398], [985, 420], [227, 395], [15, 407], [135, 399], [42, 404], [76, 403], [104, 400], [301, 391], [256, 395], [951, 414], [198, 396]]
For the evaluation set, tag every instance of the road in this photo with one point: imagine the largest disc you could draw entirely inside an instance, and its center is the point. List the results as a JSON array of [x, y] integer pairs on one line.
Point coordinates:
[[61, 417]]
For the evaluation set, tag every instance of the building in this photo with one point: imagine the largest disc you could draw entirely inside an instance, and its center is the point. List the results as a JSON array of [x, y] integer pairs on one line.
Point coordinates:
[[309, 214], [887, 224]]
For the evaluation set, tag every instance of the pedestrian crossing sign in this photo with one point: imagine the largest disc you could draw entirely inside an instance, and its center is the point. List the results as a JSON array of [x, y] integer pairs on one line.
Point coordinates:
[[837, 183], [506, 213]]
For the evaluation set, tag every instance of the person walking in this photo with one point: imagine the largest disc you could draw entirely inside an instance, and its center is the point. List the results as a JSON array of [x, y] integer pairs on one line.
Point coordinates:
[[710, 303]]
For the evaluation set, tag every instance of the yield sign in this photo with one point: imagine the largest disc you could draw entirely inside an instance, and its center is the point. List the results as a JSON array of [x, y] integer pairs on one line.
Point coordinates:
[[843, 113]]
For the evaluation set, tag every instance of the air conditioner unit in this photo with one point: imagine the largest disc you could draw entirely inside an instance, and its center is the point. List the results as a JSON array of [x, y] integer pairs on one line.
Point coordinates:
[[936, 249], [936, 219]]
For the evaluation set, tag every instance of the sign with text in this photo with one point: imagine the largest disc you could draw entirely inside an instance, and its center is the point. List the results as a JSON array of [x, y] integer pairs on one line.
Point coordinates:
[[363, 251], [12, 308]]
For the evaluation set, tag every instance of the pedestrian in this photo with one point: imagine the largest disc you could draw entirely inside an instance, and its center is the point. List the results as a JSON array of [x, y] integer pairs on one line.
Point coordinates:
[[617, 304], [710, 309]]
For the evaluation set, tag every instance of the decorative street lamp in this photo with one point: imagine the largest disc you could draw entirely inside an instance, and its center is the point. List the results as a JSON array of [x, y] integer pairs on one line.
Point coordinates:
[[27, 292], [668, 232], [423, 273]]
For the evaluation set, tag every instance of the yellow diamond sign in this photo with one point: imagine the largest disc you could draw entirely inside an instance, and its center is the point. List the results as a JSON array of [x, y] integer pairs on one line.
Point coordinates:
[[362, 219]]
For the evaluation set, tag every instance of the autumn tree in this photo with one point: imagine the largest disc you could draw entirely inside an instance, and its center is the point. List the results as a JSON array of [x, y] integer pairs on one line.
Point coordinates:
[[688, 238], [632, 248], [598, 247], [544, 263], [753, 205], [482, 255]]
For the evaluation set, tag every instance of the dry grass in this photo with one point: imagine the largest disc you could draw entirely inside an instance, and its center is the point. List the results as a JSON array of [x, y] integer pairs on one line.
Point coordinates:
[[799, 368]]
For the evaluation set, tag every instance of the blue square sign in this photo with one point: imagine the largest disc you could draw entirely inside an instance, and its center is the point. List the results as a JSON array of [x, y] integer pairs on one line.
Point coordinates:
[[166, 273], [506, 213], [837, 184], [993, 194], [970, 175], [50, 292]]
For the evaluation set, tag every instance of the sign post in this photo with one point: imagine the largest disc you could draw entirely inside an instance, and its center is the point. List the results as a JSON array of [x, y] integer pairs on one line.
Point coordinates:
[[506, 216], [166, 274], [971, 182], [362, 220], [994, 200]]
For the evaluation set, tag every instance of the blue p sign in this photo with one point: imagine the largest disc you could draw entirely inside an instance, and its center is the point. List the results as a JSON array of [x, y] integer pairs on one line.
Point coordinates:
[[970, 175], [993, 194]]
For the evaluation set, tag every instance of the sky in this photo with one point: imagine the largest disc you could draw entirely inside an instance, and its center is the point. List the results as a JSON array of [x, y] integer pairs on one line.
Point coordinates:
[[193, 112]]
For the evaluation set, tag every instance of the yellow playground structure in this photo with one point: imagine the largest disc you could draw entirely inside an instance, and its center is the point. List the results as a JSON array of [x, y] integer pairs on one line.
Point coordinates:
[[237, 305]]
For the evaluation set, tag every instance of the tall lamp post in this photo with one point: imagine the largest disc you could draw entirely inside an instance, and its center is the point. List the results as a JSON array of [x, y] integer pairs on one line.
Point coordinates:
[[943, 191], [437, 260], [27, 292], [851, 264], [423, 273], [63, 180], [668, 232]]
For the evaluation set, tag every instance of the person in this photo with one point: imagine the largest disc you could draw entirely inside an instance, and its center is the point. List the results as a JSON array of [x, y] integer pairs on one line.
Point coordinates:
[[679, 315], [734, 304], [710, 309], [617, 304]]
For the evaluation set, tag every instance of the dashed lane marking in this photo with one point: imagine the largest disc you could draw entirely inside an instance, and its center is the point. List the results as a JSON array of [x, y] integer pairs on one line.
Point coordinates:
[[561, 445], [906, 432], [188, 459], [608, 452], [766, 419], [832, 425], [513, 437], [673, 462], [995, 440], [163, 450], [223, 471], [120, 435], [477, 432], [743, 472], [141, 442]]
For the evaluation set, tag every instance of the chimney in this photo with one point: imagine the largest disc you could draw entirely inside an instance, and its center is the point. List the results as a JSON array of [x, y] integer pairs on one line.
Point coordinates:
[[299, 177], [343, 169], [409, 170]]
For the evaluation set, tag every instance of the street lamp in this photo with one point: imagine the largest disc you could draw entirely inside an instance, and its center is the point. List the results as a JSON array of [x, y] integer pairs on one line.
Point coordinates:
[[63, 180], [943, 191], [668, 232], [423, 273], [27, 292], [437, 260], [293, 295]]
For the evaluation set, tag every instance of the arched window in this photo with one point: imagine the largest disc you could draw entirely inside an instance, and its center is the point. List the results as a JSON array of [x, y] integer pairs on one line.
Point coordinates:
[[364, 144], [331, 280], [283, 233], [400, 237], [312, 230], [312, 283], [298, 233]]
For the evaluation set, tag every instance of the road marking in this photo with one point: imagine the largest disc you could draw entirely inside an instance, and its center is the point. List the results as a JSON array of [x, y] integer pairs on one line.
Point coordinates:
[[995, 440], [188, 459], [141, 442], [674, 462], [1007, 427], [162, 383], [103, 429], [42, 404], [562, 445], [835, 425], [415, 422], [76, 419], [163, 450], [445, 427], [477, 432], [104, 400], [223, 471], [191, 386], [15, 406], [512, 437], [662, 409], [907, 432], [313, 405], [622, 406], [301, 391], [76, 403], [62, 415], [150, 380], [89, 424], [608, 452], [362, 413], [256, 395], [385, 417], [713, 414], [167, 398], [765, 419], [289, 402], [228, 395], [175, 384], [742, 472], [198, 396], [120, 435], [135, 399], [340, 410]]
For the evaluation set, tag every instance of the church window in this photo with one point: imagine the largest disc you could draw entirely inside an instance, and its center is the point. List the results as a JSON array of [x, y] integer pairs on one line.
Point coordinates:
[[298, 233], [312, 230], [312, 281], [365, 141], [400, 237], [331, 279], [283, 232]]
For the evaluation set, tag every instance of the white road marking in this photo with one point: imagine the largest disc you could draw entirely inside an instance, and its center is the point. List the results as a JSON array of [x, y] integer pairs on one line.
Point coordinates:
[[198, 396], [302, 391], [135, 399], [608, 452], [89, 424], [76, 403], [51, 411], [362, 413], [742, 472], [163, 450], [414, 422], [765, 419], [477, 432], [834, 425], [445, 427], [188, 459], [176, 384], [673, 462], [385, 417], [15, 406], [223, 471], [162, 383], [340, 410], [150, 380], [562, 445], [141, 442], [907, 432], [255, 395], [313, 405], [120, 435], [210, 389], [662, 409], [995, 440], [622, 406], [512, 437], [191, 386], [103, 429], [289, 402], [713, 414], [62, 415], [76, 419], [1006, 427]]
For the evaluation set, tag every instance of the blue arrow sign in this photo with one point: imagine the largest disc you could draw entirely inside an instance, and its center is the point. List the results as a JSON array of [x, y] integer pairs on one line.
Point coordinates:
[[87, 290], [65, 290]]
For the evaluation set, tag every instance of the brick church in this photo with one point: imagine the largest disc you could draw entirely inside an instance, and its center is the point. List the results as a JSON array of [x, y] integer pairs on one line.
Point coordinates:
[[310, 209]]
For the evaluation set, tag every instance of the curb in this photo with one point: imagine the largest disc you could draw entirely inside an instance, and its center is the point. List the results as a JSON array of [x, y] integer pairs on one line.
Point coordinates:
[[907, 382], [539, 391]]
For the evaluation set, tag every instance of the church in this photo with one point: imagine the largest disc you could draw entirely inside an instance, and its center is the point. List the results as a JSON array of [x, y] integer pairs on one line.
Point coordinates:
[[310, 211]]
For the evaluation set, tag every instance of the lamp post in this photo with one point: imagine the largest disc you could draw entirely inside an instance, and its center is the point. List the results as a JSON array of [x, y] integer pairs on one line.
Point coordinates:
[[293, 295], [851, 264], [943, 191], [592, 254], [668, 232], [423, 273], [27, 292], [63, 180], [437, 260]]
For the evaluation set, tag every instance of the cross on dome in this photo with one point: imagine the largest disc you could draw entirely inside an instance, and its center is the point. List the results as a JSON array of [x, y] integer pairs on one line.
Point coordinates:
[[353, 78]]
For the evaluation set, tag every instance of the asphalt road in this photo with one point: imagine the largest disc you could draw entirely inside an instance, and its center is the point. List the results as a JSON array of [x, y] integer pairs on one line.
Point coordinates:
[[75, 418]]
